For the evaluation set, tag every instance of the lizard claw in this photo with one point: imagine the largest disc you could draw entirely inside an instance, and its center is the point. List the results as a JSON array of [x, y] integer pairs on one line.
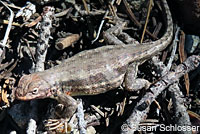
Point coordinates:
[[58, 125]]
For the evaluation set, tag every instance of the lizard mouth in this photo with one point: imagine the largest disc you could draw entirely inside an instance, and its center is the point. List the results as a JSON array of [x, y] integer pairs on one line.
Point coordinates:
[[27, 98], [24, 98], [30, 96]]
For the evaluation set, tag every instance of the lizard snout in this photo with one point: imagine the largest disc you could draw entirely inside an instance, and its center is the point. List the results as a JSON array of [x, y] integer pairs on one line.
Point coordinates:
[[19, 94]]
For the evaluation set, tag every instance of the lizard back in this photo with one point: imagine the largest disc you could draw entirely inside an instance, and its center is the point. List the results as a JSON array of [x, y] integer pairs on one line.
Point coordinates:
[[101, 69]]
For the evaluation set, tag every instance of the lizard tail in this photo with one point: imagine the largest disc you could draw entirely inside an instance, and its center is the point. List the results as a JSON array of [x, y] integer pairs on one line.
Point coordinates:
[[166, 39]]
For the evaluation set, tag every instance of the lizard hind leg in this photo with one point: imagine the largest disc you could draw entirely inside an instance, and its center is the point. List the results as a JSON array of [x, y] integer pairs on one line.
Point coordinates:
[[116, 36], [131, 82]]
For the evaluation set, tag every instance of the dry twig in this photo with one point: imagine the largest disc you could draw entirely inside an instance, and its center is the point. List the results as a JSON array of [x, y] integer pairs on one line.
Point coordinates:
[[140, 111]]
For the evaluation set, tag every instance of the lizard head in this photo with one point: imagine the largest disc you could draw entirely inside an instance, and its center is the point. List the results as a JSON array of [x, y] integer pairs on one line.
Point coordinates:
[[32, 87]]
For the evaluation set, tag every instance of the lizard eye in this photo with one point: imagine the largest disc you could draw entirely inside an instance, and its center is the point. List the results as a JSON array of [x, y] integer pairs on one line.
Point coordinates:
[[35, 91]]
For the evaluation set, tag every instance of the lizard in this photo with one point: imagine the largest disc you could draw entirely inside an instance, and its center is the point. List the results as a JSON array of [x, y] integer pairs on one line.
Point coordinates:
[[92, 71]]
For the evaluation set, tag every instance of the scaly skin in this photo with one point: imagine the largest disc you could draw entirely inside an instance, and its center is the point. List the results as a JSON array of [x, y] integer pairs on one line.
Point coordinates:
[[93, 71]]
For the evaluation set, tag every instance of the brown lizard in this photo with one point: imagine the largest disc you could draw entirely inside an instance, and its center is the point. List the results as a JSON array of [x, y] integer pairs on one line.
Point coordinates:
[[91, 72]]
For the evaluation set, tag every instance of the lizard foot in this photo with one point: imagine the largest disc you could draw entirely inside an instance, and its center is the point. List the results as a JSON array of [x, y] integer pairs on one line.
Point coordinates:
[[138, 84], [58, 125], [131, 82]]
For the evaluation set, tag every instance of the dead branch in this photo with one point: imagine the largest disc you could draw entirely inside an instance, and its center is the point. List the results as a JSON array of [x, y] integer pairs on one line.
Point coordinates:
[[140, 111]]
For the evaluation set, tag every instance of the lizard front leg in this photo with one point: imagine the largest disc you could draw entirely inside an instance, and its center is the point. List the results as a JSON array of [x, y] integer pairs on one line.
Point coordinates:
[[131, 82], [69, 103]]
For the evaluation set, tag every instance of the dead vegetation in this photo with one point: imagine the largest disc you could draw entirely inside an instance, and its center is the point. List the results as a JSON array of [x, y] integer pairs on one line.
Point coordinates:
[[40, 34]]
